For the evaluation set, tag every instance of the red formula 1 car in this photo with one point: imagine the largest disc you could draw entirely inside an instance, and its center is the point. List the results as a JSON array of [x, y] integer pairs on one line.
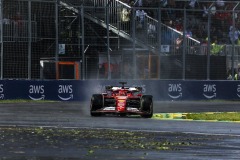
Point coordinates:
[[122, 101]]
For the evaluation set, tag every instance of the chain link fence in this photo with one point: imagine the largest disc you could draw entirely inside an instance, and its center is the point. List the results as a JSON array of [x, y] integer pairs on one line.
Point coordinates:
[[110, 39]]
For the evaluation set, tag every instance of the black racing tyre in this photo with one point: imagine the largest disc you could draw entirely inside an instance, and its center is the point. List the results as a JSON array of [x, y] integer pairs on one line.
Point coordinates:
[[96, 103], [146, 106]]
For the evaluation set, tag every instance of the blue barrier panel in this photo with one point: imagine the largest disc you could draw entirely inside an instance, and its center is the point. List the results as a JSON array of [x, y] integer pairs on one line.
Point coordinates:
[[39, 90], [81, 90]]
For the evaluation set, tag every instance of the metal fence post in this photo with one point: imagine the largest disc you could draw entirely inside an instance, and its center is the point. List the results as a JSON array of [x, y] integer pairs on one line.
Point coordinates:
[[1, 37], [184, 45], [83, 70], [233, 42], [29, 40], [133, 19], [159, 39], [208, 43], [108, 42], [56, 37]]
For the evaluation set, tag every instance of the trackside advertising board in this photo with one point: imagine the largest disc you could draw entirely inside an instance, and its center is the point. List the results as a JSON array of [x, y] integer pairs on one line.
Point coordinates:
[[81, 90]]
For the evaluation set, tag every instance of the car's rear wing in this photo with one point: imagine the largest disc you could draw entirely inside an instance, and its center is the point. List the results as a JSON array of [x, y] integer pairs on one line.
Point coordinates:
[[132, 89], [117, 88]]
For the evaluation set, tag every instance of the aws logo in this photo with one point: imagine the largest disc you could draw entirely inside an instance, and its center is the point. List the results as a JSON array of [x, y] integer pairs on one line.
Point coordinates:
[[175, 91], [238, 91], [1, 91], [65, 92], [209, 91], [36, 92]]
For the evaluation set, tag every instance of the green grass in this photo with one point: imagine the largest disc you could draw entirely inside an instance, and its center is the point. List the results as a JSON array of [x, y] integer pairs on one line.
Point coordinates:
[[219, 116], [211, 116]]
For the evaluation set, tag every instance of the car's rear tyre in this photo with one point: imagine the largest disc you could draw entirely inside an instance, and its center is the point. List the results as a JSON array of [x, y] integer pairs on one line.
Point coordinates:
[[146, 106], [96, 103]]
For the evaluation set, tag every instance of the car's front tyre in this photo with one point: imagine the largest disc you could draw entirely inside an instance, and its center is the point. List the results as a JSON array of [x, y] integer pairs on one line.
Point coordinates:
[[96, 103], [146, 106]]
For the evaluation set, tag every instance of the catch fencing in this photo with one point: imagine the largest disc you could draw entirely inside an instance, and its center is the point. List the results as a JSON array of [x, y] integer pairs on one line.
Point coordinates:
[[104, 39]]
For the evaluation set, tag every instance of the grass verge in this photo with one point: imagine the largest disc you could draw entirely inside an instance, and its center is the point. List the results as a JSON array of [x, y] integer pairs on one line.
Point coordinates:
[[219, 116], [208, 116]]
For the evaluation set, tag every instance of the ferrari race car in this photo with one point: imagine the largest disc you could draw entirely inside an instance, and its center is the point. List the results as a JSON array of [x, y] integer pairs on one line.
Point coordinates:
[[122, 101]]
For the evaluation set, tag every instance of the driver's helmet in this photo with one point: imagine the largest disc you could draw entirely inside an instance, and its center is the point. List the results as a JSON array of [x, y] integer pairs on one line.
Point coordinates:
[[122, 93]]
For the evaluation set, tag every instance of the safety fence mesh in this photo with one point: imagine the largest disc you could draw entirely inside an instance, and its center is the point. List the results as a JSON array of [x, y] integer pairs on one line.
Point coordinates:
[[102, 39]]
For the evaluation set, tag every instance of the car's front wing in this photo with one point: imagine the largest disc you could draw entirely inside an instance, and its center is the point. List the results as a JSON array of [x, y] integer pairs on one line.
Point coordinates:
[[113, 110]]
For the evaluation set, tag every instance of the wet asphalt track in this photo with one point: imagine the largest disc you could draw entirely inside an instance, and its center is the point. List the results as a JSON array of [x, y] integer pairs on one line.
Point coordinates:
[[76, 115]]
